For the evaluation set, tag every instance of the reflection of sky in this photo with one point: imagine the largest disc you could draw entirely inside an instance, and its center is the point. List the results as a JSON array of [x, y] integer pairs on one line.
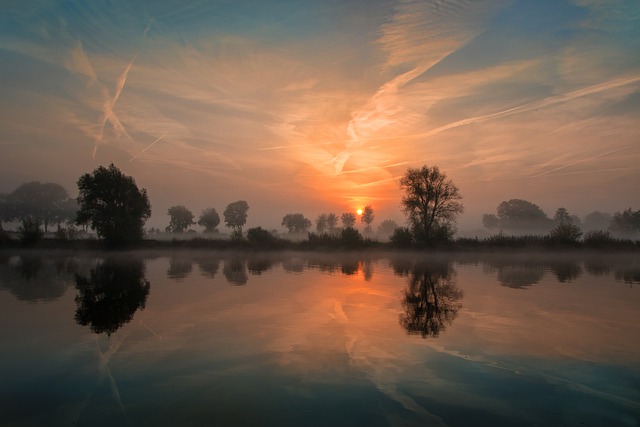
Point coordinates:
[[313, 347], [326, 103]]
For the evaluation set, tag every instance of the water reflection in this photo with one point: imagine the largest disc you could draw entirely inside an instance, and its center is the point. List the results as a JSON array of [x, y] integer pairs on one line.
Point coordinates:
[[565, 271], [520, 273], [180, 267], [258, 265], [33, 277], [431, 300], [115, 289], [208, 266], [235, 271]]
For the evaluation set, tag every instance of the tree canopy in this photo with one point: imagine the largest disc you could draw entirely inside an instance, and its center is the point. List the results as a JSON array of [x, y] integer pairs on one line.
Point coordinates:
[[235, 215], [38, 202], [209, 219], [296, 223], [348, 219], [112, 204], [367, 217], [181, 219], [431, 203]]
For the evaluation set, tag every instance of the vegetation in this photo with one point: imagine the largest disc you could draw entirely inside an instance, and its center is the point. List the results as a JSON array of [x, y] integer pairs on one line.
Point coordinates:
[[112, 204], [235, 217], [209, 219], [367, 218], [181, 219], [296, 223]]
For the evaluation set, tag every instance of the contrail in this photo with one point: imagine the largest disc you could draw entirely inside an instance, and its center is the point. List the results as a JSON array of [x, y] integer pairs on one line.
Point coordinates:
[[148, 146]]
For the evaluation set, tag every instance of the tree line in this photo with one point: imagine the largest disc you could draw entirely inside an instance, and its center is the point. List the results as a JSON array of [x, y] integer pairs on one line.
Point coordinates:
[[111, 203]]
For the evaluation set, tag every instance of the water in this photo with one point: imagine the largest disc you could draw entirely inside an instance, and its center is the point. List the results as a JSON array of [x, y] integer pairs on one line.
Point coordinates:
[[215, 338]]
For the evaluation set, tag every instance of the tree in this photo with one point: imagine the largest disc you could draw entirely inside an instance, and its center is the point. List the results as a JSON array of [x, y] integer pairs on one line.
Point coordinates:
[[490, 221], [518, 214], [566, 232], [367, 217], [5, 212], [235, 216], [113, 205], [41, 202], [209, 219], [332, 222], [181, 219], [348, 219], [296, 223], [386, 229], [321, 223], [562, 216], [626, 223], [597, 221], [431, 203]]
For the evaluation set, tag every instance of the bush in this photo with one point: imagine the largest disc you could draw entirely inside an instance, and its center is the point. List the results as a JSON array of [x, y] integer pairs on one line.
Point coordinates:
[[30, 231], [351, 238], [566, 233], [401, 237]]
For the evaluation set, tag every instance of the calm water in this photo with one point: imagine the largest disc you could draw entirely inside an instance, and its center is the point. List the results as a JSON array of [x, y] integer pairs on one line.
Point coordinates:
[[300, 339]]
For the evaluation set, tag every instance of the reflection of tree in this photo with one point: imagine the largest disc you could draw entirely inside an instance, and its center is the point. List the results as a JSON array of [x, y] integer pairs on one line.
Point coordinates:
[[258, 265], [179, 268], [628, 274], [565, 271], [349, 267], [520, 276], [208, 266], [597, 267], [108, 299], [32, 277], [431, 301], [235, 272]]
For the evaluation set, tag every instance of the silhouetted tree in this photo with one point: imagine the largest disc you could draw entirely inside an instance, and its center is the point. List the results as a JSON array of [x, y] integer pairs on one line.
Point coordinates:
[[296, 223], [490, 221], [260, 237], [181, 219], [597, 221], [517, 214], [209, 219], [431, 203], [348, 219], [626, 223], [30, 231], [114, 206], [431, 301], [110, 296], [562, 216], [367, 218], [41, 202], [332, 222], [321, 223], [5, 211], [566, 232], [235, 217]]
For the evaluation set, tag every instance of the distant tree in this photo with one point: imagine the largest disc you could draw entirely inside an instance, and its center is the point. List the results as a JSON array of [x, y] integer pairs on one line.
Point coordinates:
[[562, 216], [597, 221], [5, 212], [39, 201], [181, 219], [385, 230], [626, 223], [566, 232], [235, 217], [367, 217], [321, 223], [490, 221], [296, 223], [67, 212], [518, 214], [348, 219], [29, 230], [332, 222], [402, 237], [114, 206], [209, 219], [431, 203]]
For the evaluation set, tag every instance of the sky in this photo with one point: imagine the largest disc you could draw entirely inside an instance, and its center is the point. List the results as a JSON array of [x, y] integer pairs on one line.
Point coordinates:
[[322, 106]]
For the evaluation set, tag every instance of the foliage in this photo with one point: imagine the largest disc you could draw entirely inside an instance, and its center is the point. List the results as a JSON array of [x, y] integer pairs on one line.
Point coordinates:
[[626, 223], [114, 206], [29, 231], [235, 217], [402, 237], [490, 221], [562, 216], [385, 230], [518, 214], [296, 223], [181, 219], [351, 238], [431, 203], [321, 223], [367, 217], [348, 219], [209, 219], [46, 202], [597, 220], [597, 238], [332, 222], [566, 232]]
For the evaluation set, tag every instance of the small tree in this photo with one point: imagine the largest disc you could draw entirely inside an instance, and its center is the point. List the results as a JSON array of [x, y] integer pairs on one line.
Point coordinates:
[[566, 232], [562, 216], [296, 223], [386, 229], [235, 217], [348, 219], [114, 206], [181, 219], [431, 203], [321, 223], [367, 217], [209, 219], [332, 222]]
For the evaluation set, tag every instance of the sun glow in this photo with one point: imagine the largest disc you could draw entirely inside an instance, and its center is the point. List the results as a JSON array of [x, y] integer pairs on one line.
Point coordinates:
[[359, 211]]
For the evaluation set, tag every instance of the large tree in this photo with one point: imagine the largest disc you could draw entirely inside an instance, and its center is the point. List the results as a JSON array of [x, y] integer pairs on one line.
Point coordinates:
[[43, 203], [235, 216], [518, 214], [431, 203], [112, 204], [181, 219], [296, 223], [209, 219]]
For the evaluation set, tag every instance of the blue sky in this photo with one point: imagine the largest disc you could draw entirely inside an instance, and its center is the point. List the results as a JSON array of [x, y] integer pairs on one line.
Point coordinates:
[[321, 106]]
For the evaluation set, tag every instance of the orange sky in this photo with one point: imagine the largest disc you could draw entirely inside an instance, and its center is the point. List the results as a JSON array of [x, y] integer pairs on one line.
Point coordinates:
[[307, 107]]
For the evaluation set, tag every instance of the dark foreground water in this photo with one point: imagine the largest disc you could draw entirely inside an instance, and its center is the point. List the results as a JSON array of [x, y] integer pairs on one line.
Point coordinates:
[[306, 339]]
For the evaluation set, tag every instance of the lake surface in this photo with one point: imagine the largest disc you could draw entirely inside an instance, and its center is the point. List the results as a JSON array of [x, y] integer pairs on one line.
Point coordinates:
[[308, 339]]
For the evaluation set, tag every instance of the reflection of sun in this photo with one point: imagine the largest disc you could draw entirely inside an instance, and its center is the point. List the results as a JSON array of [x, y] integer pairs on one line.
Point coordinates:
[[359, 211]]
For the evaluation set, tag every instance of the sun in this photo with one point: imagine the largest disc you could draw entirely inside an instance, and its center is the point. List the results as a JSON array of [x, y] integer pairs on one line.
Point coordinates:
[[359, 211]]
